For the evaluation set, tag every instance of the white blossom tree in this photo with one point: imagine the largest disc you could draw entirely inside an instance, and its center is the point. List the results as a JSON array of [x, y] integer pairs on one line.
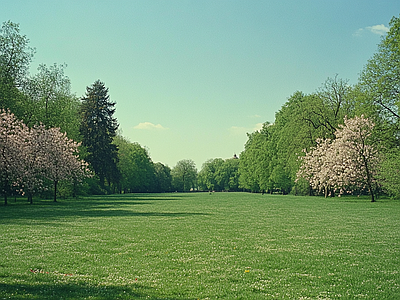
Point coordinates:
[[347, 163], [316, 167]]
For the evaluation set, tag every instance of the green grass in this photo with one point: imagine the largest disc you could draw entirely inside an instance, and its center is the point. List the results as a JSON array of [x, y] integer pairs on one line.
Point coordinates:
[[200, 246]]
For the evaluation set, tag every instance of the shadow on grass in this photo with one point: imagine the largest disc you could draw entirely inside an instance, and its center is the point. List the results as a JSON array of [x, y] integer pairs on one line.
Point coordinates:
[[144, 196], [94, 207], [44, 289]]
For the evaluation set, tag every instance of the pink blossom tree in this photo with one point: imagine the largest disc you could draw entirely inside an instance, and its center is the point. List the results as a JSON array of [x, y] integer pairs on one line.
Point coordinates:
[[60, 158], [349, 162], [28, 155], [12, 138], [33, 169]]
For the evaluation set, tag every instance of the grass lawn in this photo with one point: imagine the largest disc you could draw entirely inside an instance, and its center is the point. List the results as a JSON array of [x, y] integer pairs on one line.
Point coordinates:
[[200, 246]]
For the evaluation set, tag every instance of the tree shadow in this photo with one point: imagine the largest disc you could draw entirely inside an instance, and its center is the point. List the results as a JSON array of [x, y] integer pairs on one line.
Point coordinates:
[[47, 211], [48, 289]]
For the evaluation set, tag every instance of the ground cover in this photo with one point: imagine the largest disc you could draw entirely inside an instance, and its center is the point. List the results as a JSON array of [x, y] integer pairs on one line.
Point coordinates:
[[200, 246]]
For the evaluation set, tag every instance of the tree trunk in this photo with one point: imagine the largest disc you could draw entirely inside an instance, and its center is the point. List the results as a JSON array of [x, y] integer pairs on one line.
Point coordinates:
[[55, 190]]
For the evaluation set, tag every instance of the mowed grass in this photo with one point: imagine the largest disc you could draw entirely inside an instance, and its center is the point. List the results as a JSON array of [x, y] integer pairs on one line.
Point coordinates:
[[200, 246]]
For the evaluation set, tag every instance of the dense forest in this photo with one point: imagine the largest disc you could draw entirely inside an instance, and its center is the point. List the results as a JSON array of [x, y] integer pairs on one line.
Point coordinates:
[[340, 139]]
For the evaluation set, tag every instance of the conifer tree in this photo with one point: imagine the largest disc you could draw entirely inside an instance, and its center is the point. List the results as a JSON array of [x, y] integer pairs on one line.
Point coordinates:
[[98, 128]]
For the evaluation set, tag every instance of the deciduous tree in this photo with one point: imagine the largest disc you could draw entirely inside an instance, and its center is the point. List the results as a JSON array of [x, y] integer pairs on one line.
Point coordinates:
[[135, 166], [50, 101], [15, 57], [60, 158], [184, 175], [163, 177], [380, 78], [13, 133], [15, 53], [255, 163], [347, 163]]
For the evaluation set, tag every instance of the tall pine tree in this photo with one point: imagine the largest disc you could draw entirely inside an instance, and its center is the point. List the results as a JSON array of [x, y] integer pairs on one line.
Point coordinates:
[[98, 128]]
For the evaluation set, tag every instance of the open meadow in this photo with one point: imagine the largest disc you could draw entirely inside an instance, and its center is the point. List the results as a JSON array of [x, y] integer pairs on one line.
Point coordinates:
[[200, 246]]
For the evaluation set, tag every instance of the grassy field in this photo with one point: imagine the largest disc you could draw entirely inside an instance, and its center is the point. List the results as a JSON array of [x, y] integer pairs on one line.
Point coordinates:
[[200, 246]]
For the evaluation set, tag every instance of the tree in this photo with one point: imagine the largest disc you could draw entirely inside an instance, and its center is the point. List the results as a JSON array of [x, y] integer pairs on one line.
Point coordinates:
[[163, 177], [50, 100], [60, 158], [317, 167], [347, 163], [296, 127], [15, 53], [379, 99], [209, 177], [135, 166], [13, 133], [354, 145], [15, 57], [31, 179], [300, 122], [184, 175], [230, 171], [255, 161], [98, 128], [380, 78]]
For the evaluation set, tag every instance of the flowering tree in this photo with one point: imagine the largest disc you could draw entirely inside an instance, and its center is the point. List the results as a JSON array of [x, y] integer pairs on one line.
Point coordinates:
[[344, 164], [60, 158], [27, 156], [360, 158], [12, 133], [33, 164], [316, 167]]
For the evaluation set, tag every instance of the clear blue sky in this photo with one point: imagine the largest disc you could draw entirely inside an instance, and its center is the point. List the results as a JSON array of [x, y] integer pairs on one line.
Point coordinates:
[[190, 78]]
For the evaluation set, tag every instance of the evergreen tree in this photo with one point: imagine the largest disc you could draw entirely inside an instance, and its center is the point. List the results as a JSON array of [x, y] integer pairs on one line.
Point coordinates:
[[98, 128]]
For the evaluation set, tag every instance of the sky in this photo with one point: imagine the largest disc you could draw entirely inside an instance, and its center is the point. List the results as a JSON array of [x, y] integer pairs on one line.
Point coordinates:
[[191, 78]]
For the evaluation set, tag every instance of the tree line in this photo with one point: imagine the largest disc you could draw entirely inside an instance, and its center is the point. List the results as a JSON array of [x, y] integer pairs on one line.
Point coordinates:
[[340, 139], [54, 143]]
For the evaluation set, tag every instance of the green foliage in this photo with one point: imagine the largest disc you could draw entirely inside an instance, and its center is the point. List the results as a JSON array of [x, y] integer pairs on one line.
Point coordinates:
[[390, 173], [197, 246], [255, 164], [280, 179], [15, 57], [98, 127], [184, 175], [379, 99], [219, 175], [380, 77], [163, 178], [136, 168], [270, 160], [50, 101], [15, 53]]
